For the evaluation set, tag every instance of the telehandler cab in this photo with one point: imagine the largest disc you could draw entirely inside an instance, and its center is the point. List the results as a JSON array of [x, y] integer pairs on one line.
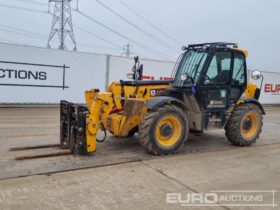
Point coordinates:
[[210, 89]]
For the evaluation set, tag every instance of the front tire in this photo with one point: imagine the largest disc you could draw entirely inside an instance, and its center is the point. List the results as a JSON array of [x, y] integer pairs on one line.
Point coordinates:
[[245, 125], [163, 131]]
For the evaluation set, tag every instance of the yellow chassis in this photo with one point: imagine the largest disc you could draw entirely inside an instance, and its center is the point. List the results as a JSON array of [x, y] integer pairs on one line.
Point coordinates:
[[119, 110]]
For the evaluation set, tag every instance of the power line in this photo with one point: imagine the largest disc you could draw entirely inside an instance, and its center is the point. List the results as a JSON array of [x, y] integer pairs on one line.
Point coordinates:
[[10, 42], [31, 34], [20, 33], [34, 2], [137, 27], [38, 3], [22, 30], [22, 8], [39, 36], [96, 36], [149, 22], [153, 51], [83, 44]]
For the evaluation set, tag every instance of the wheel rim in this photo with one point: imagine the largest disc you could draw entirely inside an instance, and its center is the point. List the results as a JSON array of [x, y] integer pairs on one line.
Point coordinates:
[[249, 125], [168, 131]]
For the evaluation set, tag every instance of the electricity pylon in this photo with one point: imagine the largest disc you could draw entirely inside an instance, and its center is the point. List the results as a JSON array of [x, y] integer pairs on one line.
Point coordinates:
[[62, 25]]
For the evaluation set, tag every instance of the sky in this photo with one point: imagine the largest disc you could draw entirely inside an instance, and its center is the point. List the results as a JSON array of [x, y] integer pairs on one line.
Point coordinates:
[[253, 24]]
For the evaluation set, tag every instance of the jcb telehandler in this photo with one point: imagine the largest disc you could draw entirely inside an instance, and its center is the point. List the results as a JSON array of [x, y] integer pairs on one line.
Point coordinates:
[[209, 89]]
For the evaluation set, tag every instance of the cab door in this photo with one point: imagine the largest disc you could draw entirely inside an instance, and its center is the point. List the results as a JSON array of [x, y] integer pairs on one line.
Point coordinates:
[[238, 77], [215, 85]]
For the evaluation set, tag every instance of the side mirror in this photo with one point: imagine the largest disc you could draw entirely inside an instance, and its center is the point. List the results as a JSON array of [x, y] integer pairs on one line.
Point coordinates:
[[256, 75]]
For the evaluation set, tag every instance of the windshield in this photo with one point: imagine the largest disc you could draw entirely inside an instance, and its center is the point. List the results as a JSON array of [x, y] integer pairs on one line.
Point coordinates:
[[191, 65]]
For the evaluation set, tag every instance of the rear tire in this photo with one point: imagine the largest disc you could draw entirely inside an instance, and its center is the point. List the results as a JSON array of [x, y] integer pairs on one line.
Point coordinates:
[[244, 125], [163, 131]]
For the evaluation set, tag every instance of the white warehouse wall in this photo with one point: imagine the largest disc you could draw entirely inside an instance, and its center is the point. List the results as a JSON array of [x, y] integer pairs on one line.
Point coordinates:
[[86, 71]]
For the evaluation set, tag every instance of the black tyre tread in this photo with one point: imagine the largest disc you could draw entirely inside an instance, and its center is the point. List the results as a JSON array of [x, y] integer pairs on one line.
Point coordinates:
[[146, 123], [232, 127]]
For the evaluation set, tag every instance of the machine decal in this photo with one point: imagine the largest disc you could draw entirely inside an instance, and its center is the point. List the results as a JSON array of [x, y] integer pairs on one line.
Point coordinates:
[[157, 92], [216, 104]]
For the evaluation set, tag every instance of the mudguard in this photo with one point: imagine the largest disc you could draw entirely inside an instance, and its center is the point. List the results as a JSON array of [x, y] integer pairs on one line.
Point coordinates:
[[254, 101], [156, 102]]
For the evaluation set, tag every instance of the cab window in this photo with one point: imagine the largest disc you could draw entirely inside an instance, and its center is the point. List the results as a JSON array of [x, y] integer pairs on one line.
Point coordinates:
[[219, 69]]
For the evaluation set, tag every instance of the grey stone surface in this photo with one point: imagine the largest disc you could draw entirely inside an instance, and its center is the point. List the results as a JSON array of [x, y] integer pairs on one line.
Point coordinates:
[[207, 163]]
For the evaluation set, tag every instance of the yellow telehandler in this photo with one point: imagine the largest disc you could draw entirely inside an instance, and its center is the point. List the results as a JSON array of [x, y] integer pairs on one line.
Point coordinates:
[[209, 89]]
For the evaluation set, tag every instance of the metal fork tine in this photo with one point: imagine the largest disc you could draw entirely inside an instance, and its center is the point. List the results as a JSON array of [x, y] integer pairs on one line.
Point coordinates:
[[43, 155], [34, 147]]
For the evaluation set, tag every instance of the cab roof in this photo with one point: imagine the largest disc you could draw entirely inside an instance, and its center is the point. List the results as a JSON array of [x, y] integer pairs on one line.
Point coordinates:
[[230, 45]]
